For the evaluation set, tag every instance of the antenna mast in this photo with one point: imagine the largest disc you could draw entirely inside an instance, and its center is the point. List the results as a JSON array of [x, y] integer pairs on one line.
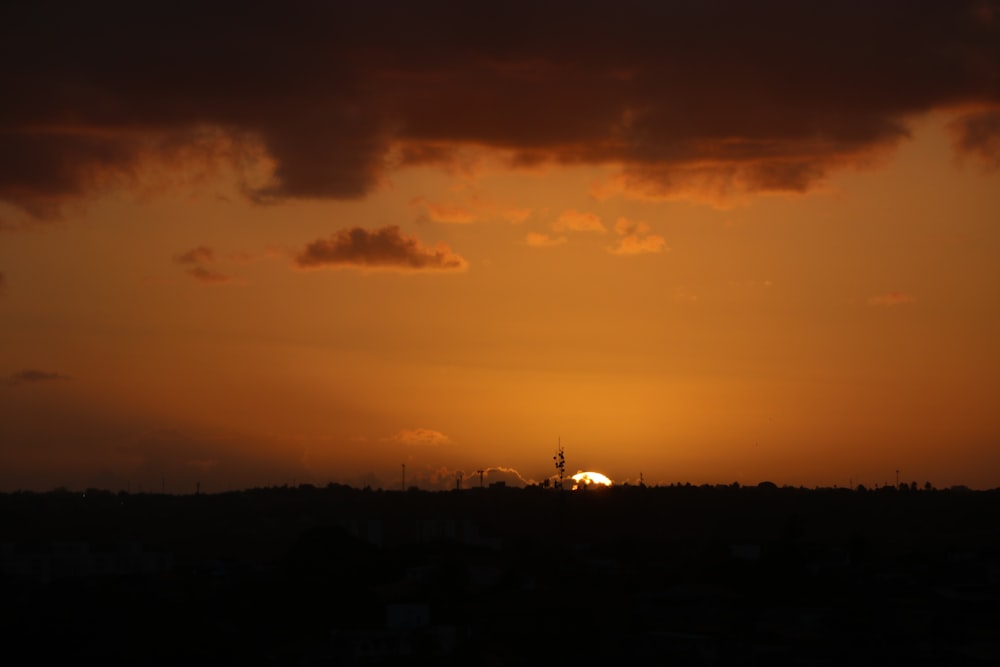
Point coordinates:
[[560, 459]]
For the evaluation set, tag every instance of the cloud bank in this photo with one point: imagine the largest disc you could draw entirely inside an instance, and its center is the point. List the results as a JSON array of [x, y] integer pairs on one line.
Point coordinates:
[[685, 97]]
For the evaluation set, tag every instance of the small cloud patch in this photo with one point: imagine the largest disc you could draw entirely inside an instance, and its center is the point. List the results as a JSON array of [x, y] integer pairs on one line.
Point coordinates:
[[450, 213], [385, 248], [636, 239]]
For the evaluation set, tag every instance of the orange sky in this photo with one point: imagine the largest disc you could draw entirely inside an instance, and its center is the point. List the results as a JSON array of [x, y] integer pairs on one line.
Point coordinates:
[[761, 254]]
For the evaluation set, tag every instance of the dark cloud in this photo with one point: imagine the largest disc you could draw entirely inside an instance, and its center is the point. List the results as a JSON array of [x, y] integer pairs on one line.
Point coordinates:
[[771, 94], [385, 248], [32, 376]]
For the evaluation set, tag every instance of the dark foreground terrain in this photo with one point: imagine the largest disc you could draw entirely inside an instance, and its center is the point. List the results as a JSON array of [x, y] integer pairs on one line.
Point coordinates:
[[498, 576]]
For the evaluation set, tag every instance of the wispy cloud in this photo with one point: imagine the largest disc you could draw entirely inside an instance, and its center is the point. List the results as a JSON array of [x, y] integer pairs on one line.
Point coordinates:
[[683, 295], [540, 240], [385, 248], [197, 260], [195, 255], [31, 376], [419, 437], [891, 299], [637, 238], [575, 221], [505, 473], [206, 275], [452, 213], [515, 216]]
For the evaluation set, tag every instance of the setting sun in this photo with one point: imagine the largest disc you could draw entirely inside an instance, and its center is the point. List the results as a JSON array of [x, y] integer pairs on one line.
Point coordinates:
[[582, 479]]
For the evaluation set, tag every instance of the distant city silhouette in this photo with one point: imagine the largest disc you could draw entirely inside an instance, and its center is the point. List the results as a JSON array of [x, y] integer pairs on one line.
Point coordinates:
[[671, 574]]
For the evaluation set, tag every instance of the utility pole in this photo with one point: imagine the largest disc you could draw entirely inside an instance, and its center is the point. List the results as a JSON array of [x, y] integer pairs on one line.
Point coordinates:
[[404, 477], [897, 478], [480, 477]]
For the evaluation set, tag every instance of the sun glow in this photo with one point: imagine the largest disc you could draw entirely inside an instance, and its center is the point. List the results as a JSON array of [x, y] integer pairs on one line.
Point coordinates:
[[582, 479]]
